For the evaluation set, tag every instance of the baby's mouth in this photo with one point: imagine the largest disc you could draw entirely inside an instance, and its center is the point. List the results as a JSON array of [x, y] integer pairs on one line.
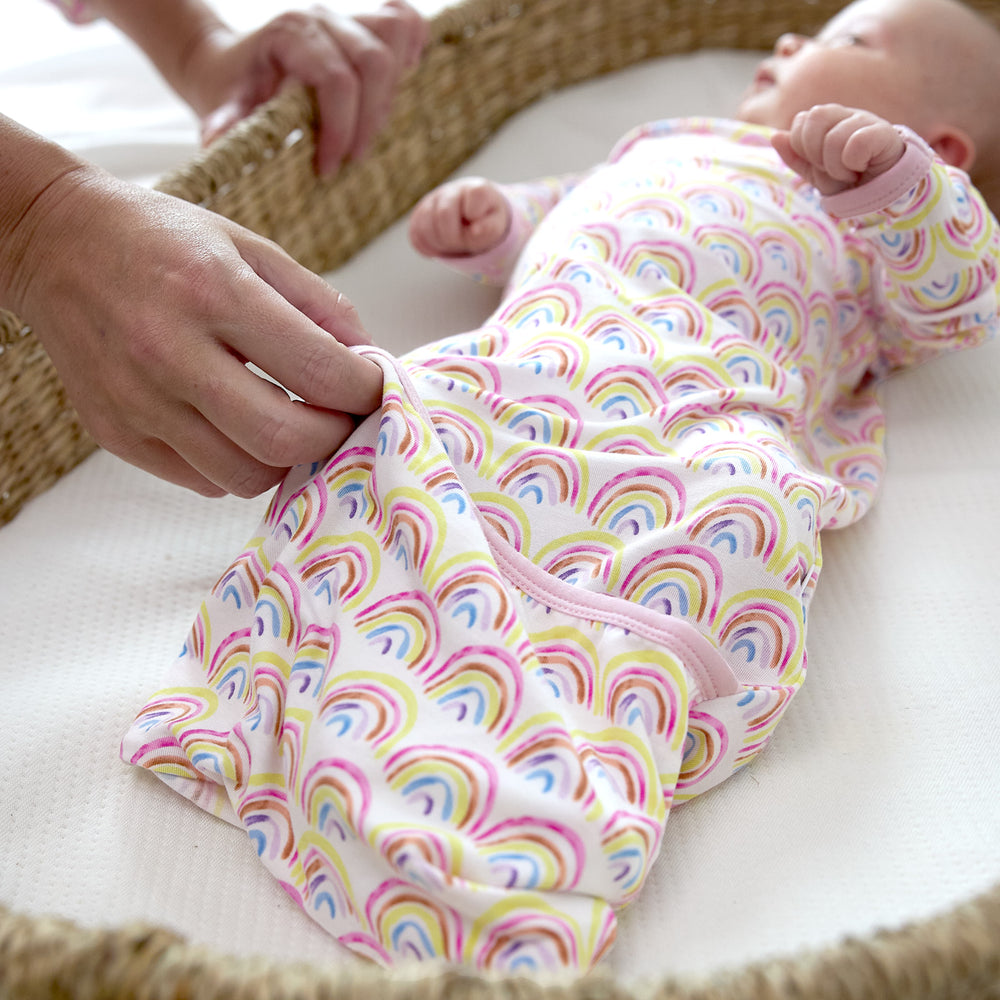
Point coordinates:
[[762, 79]]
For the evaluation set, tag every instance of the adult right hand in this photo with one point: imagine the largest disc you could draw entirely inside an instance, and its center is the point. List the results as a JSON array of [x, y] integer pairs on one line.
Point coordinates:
[[150, 309]]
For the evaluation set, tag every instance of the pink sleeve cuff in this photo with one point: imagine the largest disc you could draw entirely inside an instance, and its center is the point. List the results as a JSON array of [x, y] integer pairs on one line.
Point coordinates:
[[888, 187]]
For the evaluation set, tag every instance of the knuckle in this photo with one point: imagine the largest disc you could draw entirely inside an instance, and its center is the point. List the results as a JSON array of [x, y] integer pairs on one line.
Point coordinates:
[[375, 61], [405, 13], [113, 436], [396, 32], [252, 479], [342, 80], [346, 314], [147, 348], [210, 491], [322, 375], [276, 440], [195, 281], [291, 22]]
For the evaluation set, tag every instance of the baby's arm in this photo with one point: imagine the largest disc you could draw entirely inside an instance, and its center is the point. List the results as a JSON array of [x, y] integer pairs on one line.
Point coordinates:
[[835, 148], [927, 248], [479, 227]]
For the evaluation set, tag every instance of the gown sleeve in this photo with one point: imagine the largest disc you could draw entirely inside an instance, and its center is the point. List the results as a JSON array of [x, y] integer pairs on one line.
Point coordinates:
[[934, 253]]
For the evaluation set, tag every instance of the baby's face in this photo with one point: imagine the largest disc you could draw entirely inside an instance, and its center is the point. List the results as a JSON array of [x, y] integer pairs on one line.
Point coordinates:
[[871, 55]]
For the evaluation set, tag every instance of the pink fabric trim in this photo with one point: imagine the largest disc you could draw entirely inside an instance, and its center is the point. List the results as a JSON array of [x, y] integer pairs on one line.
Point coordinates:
[[714, 677], [888, 187]]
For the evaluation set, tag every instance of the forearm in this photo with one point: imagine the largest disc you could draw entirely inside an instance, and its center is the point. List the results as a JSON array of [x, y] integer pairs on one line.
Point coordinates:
[[30, 169], [169, 33], [937, 253]]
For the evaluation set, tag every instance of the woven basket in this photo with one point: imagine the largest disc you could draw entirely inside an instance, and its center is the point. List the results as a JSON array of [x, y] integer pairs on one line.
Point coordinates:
[[486, 60]]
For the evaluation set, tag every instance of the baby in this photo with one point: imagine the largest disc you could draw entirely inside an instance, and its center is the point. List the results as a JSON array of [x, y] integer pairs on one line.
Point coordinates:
[[558, 583]]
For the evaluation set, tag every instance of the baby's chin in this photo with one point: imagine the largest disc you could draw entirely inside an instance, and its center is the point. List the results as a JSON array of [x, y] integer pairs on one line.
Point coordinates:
[[755, 110], [765, 102]]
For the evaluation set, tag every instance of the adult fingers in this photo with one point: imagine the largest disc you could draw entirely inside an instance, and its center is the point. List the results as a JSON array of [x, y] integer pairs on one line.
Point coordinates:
[[159, 459], [402, 28], [351, 72], [301, 46], [297, 333], [351, 64], [261, 432], [302, 288], [376, 69], [198, 457], [227, 430]]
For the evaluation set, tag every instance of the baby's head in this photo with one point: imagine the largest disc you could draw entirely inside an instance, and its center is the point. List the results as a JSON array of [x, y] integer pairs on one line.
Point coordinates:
[[933, 65]]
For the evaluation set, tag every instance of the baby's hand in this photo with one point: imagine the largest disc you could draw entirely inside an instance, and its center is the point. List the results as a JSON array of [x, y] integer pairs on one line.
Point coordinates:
[[466, 216], [835, 148]]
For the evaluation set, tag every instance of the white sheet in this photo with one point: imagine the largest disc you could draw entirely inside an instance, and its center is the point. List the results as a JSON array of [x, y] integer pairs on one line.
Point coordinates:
[[876, 802]]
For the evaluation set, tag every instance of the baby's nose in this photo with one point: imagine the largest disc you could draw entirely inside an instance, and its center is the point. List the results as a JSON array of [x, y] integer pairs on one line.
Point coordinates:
[[788, 44]]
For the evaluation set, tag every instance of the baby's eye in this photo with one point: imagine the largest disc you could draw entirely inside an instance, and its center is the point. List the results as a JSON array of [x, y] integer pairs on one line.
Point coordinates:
[[842, 39]]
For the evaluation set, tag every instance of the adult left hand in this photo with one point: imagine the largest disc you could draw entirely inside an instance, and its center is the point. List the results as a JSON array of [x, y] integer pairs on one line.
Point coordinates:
[[351, 64]]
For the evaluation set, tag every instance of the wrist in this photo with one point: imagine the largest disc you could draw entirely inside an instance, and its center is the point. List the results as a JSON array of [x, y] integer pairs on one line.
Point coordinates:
[[179, 38], [36, 179], [193, 78], [29, 166], [880, 192]]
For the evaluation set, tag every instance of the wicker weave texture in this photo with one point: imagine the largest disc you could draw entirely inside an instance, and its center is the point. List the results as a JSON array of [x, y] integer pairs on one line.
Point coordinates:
[[955, 956], [487, 59]]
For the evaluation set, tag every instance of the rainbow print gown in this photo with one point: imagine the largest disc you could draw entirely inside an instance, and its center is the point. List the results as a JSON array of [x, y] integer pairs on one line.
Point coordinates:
[[558, 583]]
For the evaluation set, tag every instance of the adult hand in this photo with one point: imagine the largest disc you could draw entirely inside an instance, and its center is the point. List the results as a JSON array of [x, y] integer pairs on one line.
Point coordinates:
[[352, 65], [150, 307]]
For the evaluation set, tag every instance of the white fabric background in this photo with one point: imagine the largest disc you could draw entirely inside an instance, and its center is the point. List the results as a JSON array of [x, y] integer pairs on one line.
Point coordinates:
[[877, 800]]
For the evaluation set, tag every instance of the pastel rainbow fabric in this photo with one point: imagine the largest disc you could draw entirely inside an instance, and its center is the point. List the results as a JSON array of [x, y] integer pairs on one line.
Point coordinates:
[[558, 583]]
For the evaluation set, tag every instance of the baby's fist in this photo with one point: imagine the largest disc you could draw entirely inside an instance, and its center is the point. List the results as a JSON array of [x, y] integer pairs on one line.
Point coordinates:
[[835, 148], [467, 216]]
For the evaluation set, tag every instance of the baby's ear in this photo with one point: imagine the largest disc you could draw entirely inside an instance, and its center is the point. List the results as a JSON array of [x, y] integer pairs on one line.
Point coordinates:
[[954, 146]]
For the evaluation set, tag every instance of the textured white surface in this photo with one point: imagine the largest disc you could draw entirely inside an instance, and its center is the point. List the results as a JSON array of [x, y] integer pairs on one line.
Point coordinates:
[[876, 802]]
